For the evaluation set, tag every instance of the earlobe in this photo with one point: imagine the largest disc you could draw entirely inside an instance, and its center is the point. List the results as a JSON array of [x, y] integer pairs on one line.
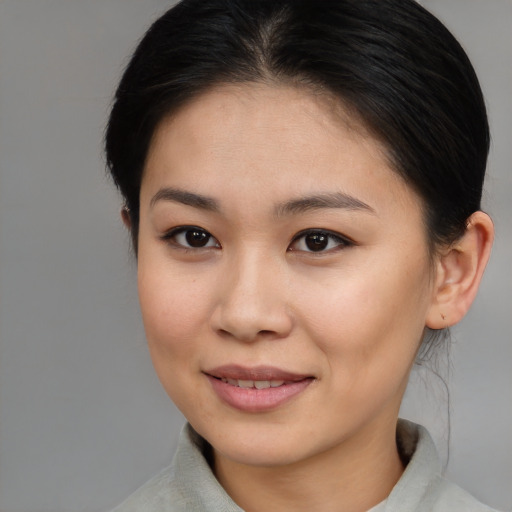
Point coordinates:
[[125, 216], [459, 273]]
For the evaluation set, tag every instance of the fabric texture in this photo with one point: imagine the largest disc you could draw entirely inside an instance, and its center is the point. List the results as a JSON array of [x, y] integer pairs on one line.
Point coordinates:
[[381, 507], [188, 484]]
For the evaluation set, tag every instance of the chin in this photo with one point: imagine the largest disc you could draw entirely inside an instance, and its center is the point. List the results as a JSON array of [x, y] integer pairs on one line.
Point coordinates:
[[258, 443], [259, 454]]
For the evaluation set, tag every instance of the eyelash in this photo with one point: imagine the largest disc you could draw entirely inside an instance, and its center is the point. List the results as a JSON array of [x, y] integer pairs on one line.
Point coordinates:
[[324, 236], [170, 237], [341, 242]]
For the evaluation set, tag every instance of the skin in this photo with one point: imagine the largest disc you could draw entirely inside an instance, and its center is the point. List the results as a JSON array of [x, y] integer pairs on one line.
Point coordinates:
[[352, 316]]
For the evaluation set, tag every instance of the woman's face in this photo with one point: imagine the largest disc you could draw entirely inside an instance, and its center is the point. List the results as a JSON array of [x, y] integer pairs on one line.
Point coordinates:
[[283, 274]]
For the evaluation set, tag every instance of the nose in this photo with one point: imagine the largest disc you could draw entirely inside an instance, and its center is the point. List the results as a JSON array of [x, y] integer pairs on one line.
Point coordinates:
[[252, 302]]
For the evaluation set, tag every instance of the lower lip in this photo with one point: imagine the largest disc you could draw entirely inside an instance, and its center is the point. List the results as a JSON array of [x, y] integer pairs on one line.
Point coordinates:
[[257, 400]]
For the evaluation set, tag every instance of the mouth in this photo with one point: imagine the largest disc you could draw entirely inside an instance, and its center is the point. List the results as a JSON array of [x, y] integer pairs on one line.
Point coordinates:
[[238, 373], [256, 384], [256, 389]]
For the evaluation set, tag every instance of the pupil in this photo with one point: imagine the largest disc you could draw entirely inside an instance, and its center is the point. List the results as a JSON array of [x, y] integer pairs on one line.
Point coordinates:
[[197, 238], [317, 241]]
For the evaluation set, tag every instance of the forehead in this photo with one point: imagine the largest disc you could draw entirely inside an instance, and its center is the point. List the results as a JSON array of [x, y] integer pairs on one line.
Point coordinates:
[[293, 140], [285, 106]]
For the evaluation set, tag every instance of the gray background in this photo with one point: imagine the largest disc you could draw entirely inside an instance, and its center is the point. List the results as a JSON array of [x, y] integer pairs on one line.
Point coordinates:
[[83, 420]]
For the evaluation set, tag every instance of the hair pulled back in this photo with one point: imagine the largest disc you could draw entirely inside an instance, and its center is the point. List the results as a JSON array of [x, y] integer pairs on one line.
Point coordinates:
[[390, 61]]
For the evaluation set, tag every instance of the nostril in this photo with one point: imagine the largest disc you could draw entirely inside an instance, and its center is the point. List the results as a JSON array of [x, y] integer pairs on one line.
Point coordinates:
[[224, 333], [251, 319], [249, 335]]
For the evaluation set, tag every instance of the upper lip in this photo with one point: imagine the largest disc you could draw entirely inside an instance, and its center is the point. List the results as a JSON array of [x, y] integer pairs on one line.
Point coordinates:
[[236, 372]]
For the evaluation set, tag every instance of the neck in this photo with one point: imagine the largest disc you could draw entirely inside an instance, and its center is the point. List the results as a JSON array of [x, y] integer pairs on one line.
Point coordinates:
[[353, 476]]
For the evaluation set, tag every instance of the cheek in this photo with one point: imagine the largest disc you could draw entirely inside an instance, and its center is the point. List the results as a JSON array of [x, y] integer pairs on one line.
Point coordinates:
[[174, 308], [368, 331], [377, 313]]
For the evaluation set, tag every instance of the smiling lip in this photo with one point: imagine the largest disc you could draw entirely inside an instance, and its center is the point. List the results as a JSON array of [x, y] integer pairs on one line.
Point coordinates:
[[256, 389]]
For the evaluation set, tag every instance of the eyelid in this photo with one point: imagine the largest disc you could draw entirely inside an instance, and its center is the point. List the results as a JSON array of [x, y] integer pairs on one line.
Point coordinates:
[[170, 234], [344, 241]]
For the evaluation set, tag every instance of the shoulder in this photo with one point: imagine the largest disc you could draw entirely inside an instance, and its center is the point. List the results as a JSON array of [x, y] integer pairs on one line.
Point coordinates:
[[422, 486], [452, 497], [159, 494], [187, 485]]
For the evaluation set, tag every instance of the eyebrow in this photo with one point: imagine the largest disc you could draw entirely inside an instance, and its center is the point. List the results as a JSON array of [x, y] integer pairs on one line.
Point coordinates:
[[320, 201], [295, 206], [187, 198]]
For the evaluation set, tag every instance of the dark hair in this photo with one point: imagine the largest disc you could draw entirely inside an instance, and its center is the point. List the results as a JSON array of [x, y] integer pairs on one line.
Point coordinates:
[[390, 61]]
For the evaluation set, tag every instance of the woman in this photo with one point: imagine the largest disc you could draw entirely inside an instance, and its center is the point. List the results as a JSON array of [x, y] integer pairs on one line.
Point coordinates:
[[302, 184]]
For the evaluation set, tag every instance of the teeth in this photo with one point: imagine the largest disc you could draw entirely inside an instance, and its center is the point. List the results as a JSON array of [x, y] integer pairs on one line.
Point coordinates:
[[258, 384], [246, 383], [261, 384]]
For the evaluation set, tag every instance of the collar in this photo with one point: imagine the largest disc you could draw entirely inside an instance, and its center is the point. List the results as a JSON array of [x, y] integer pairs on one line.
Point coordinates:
[[412, 492]]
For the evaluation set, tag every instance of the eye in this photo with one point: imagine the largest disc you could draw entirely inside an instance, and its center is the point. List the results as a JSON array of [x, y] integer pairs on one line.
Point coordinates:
[[318, 241], [191, 237]]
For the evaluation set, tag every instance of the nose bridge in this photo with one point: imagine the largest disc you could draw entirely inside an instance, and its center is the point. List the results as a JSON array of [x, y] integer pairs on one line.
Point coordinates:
[[253, 300]]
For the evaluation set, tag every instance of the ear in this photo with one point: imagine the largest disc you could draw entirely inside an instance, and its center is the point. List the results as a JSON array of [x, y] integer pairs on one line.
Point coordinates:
[[459, 271], [125, 216]]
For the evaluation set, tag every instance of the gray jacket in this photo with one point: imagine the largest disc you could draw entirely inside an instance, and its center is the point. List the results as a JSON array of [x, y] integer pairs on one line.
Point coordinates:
[[188, 484]]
